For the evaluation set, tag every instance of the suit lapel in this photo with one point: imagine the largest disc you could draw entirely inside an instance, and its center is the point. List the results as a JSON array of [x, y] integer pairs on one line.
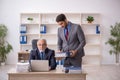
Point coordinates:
[[46, 55], [70, 31], [38, 54]]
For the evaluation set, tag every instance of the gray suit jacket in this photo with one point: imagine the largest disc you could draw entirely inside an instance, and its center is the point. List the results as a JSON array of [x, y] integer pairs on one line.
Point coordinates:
[[76, 41]]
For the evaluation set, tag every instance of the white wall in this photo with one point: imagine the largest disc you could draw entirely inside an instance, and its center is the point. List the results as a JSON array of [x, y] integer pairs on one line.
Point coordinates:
[[10, 16]]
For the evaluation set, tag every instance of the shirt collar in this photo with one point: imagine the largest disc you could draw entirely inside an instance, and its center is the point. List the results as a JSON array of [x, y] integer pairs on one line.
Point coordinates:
[[41, 51], [68, 26]]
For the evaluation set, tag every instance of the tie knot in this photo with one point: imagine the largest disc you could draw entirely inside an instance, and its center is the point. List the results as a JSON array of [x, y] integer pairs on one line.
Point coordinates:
[[41, 52], [66, 28]]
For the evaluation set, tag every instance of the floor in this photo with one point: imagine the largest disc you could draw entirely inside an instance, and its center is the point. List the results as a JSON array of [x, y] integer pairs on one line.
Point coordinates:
[[111, 72]]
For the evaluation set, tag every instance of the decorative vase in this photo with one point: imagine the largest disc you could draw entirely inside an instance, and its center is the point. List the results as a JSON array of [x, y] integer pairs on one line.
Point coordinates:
[[117, 58], [90, 21]]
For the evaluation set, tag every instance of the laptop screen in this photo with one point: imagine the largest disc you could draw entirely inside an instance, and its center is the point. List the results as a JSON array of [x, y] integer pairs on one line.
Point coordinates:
[[39, 65]]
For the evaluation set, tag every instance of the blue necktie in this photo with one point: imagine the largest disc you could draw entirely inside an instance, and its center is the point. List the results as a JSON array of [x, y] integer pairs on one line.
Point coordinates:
[[42, 55]]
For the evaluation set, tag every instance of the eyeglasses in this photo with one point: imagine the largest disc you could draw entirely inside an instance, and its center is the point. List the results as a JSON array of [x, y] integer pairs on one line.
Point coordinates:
[[41, 44]]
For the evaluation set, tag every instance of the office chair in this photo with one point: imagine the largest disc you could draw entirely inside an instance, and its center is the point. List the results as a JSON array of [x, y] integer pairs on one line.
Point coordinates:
[[34, 43]]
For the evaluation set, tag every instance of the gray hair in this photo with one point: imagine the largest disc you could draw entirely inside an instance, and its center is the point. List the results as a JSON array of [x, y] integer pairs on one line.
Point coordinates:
[[42, 40]]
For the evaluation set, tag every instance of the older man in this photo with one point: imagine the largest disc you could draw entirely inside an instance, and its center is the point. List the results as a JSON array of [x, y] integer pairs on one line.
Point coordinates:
[[42, 52]]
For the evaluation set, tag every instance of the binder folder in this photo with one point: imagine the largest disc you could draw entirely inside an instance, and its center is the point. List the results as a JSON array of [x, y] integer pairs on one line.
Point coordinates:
[[23, 29], [23, 39]]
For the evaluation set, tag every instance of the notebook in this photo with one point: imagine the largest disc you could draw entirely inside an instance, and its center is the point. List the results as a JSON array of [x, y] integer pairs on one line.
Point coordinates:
[[73, 69], [39, 65]]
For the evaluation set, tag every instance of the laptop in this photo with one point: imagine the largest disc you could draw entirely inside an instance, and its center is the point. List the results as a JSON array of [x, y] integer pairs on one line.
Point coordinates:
[[39, 65]]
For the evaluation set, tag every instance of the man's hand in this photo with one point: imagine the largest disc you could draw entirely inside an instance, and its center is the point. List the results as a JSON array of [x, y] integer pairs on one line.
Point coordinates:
[[49, 68], [74, 52], [59, 51], [59, 55]]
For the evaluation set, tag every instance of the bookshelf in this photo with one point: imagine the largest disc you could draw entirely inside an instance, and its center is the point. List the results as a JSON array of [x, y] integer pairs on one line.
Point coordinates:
[[93, 39]]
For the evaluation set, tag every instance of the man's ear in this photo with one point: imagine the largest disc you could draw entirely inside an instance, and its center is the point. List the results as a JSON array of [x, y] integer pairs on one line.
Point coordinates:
[[66, 21]]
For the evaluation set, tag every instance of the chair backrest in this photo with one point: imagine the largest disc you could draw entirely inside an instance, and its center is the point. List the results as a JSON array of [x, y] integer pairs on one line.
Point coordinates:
[[34, 43]]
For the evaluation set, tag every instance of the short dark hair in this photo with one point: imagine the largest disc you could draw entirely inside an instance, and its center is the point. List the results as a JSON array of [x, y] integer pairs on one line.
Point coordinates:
[[60, 17]]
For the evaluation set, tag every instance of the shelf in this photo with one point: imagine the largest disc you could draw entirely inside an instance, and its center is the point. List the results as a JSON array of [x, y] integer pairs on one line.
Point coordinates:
[[30, 23], [29, 13], [23, 56], [92, 55], [52, 44], [26, 44], [90, 13], [34, 16], [90, 24], [48, 34], [49, 23], [31, 44], [92, 34], [28, 34], [96, 17], [91, 60], [23, 52], [92, 44]]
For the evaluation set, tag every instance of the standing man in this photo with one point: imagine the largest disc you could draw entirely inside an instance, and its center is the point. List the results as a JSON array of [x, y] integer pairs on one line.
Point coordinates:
[[70, 39], [43, 53]]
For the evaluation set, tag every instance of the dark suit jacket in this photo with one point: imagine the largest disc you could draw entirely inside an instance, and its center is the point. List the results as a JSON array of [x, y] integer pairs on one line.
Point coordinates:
[[76, 41], [49, 55]]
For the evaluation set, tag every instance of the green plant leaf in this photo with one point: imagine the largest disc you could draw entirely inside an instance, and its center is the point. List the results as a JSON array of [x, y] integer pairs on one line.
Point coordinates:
[[5, 47], [114, 40], [90, 18]]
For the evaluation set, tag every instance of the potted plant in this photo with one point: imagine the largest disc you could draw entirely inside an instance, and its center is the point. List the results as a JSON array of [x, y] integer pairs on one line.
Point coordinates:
[[90, 19], [114, 41], [30, 19], [5, 47]]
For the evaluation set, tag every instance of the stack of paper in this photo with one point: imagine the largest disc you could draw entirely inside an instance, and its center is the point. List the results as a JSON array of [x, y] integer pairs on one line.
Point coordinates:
[[62, 54], [22, 67]]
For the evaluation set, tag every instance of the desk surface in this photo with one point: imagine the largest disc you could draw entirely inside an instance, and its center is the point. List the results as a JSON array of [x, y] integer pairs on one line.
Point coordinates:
[[51, 75], [58, 71]]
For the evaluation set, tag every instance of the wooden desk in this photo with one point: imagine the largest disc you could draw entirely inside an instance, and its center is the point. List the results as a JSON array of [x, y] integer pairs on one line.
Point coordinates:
[[52, 75]]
